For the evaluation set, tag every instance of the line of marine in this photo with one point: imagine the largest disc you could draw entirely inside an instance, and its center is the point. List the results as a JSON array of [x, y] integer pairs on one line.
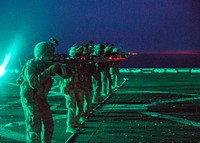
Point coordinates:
[[89, 72]]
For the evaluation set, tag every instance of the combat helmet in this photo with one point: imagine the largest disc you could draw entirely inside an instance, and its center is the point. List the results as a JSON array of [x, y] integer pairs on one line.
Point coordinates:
[[43, 49]]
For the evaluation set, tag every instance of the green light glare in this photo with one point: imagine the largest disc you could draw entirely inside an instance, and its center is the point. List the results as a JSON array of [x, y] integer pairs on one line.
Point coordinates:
[[16, 45], [15, 49], [4, 64]]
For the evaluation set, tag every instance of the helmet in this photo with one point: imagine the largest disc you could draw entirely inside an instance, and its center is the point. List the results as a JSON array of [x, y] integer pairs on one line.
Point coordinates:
[[72, 51], [108, 48], [99, 48], [43, 49], [115, 50]]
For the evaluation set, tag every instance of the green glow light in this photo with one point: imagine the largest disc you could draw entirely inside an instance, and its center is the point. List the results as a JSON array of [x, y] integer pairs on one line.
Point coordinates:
[[4, 64]]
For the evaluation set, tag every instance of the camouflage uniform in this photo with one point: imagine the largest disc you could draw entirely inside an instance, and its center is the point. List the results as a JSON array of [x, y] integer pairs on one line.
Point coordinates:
[[114, 70], [106, 77], [96, 74], [72, 90], [87, 81], [35, 83]]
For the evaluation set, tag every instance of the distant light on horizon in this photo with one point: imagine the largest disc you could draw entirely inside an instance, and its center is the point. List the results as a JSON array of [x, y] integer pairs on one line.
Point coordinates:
[[132, 53]]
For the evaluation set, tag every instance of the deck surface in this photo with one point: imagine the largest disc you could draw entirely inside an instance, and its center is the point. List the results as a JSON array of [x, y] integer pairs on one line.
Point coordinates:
[[149, 108]]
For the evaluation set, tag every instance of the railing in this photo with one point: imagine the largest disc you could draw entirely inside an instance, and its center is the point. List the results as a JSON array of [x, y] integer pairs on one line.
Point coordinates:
[[144, 70], [159, 70]]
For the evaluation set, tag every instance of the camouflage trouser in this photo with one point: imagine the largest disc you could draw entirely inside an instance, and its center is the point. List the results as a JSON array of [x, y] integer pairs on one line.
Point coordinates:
[[71, 107], [114, 71], [74, 100], [37, 112], [79, 94], [66, 90], [87, 92], [106, 81], [96, 86]]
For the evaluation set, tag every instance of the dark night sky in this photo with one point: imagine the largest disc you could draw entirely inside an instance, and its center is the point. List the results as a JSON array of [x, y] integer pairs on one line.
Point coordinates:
[[136, 25]]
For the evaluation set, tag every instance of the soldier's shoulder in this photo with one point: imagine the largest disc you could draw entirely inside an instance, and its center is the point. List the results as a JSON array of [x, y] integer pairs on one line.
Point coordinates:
[[32, 61]]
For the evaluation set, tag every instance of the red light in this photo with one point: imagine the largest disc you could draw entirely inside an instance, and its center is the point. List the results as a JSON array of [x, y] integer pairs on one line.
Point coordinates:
[[132, 53]]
